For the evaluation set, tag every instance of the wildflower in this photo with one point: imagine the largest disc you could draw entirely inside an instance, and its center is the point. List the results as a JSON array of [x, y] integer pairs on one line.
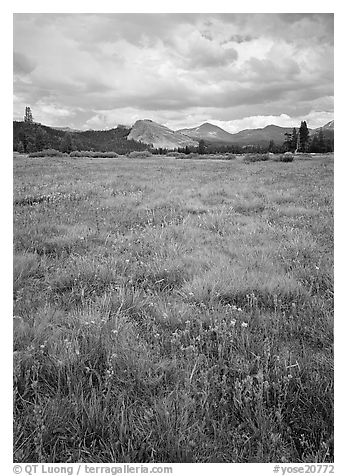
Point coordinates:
[[114, 331], [244, 324], [232, 322]]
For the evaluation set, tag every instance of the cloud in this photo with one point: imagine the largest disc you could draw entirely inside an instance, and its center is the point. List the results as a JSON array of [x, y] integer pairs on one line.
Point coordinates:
[[99, 68], [22, 64]]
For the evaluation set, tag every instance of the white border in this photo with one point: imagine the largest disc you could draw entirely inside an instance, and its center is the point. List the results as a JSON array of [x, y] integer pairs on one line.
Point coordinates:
[[216, 6]]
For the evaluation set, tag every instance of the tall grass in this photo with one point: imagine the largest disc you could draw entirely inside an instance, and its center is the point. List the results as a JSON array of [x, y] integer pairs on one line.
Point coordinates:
[[173, 312]]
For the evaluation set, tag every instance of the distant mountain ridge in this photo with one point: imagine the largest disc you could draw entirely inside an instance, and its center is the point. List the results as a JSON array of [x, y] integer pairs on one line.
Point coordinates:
[[260, 136]]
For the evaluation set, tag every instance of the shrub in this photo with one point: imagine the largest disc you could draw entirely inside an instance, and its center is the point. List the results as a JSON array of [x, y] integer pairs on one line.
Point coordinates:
[[139, 155], [256, 157], [283, 157], [90, 153], [108, 155], [229, 156], [47, 153], [178, 155]]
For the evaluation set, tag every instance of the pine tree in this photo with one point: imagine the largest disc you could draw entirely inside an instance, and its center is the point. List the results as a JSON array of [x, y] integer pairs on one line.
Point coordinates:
[[294, 140], [303, 137], [28, 115]]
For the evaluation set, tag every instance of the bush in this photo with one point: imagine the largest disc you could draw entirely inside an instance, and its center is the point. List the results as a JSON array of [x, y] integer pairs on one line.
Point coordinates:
[[47, 153], [90, 153], [256, 157], [139, 155], [178, 155], [287, 157], [108, 155], [229, 156]]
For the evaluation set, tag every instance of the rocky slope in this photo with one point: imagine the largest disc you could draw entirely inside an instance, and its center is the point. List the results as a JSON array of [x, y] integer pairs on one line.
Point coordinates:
[[150, 132]]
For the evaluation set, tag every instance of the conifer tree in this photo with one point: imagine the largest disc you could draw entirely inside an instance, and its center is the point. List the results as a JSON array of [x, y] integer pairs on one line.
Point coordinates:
[[303, 137], [28, 115]]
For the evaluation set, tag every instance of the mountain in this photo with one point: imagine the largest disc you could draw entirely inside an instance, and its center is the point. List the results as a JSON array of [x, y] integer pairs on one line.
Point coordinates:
[[329, 126], [208, 132], [211, 133], [150, 132], [261, 136]]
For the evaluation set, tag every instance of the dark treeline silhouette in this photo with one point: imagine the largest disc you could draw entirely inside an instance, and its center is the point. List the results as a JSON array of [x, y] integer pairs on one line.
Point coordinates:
[[33, 137]]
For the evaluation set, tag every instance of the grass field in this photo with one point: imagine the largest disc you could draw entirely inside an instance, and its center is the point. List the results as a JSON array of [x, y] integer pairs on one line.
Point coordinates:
[[173, 310]]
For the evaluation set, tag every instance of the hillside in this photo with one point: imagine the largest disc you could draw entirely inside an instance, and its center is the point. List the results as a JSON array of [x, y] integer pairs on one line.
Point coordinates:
[[159, 136], [29, 137]]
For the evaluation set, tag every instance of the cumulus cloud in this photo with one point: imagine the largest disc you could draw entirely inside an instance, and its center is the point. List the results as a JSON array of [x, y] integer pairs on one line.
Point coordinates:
[[97, 70]]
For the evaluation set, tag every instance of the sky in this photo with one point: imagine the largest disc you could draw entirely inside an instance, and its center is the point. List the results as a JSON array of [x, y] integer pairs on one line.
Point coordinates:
[[237, 71]]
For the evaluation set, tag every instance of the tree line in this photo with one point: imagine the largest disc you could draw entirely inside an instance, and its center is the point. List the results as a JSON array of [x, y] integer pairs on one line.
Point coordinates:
[[33, 137]]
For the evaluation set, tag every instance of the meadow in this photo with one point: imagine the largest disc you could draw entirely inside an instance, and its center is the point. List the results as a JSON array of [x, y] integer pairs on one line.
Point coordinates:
[[172, 310]]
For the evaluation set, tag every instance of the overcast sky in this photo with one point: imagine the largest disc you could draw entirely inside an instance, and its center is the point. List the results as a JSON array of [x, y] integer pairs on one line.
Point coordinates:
[[238, 71]]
